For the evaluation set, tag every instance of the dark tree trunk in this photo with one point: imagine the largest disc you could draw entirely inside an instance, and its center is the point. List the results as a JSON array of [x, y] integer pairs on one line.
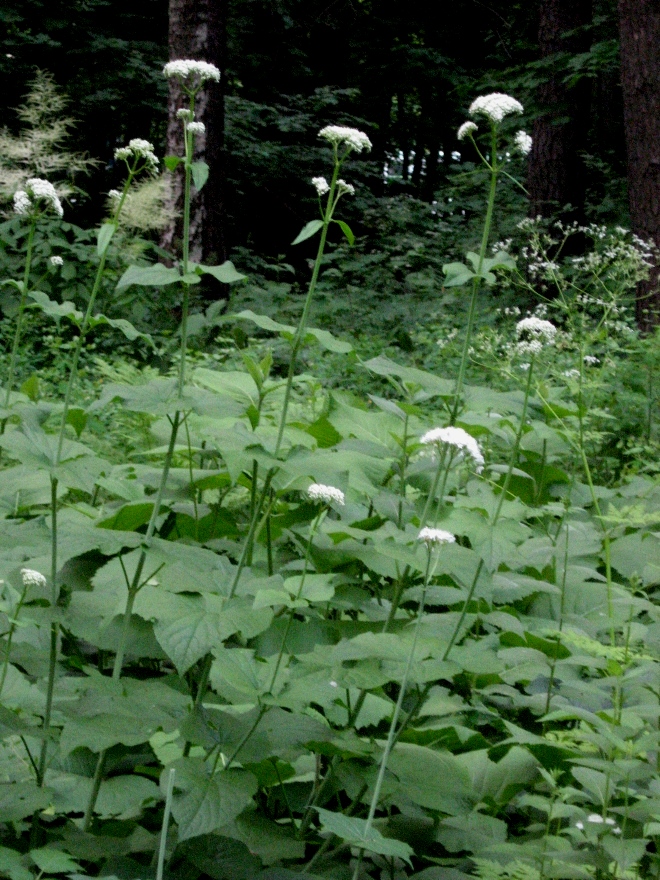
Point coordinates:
[[197, 30], [639, 28], [556, 171]]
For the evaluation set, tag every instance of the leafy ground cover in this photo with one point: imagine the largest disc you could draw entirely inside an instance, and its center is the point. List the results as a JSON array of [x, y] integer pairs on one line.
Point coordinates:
[[310, 605]]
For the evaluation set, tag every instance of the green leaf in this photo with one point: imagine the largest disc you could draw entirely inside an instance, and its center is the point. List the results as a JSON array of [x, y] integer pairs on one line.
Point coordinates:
[[308, 230], [104, 237], [121, 324], [225, 272], [433, 779], [457, 274], [77, 418], [200, 174], [53, 861], [31, 388], [54, 309], [172, 162], [209, 803], [21, 799], [355, 832], [348, 232], [12, 865], [157, 275]]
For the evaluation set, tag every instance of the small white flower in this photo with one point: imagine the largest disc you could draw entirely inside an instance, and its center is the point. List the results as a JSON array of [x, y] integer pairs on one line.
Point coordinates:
[[580, 825], [466, 130], [345, 188], [572, 374], [333, 684], [352, 138], [533, 333], [184, 113], [495, 106], [321, 185], [436, 536], [36, 191], [32, 578], [523, 142], [590, 360], [114, 195], [138, 148], [196, 127], [56, 261], [326, 494], [459, 439], [185, 68]]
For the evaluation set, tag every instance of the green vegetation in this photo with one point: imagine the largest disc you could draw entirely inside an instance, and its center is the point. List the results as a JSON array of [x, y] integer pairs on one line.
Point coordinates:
[[346, 578]]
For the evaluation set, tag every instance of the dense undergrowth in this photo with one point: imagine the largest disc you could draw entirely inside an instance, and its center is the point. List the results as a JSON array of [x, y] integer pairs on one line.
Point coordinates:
[[284, 595]]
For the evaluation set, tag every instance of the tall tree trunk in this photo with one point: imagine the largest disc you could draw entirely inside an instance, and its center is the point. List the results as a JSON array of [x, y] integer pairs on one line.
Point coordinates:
[[197, 30], [639, 29], [556, 172]]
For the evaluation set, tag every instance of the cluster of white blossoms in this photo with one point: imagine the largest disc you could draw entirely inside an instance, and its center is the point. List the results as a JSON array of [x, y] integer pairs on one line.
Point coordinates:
[[466, 130], [56, 261], [321, 185], [345, 188], [495, 106], [326, 494], [596, 819], [32, 578], [436, 536], [533, 333], [196, 127], [185, 68], [457, 438], [352, 138], [37, 192], [523, 142], [138, 148], [590, 360]]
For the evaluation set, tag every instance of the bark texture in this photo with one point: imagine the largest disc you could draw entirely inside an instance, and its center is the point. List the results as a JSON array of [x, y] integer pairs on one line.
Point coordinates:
[[197, 29], [556, 174], [639, 29]]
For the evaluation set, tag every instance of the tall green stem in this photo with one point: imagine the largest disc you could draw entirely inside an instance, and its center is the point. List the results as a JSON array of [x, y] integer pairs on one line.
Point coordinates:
[[19, 320], [476, 281]]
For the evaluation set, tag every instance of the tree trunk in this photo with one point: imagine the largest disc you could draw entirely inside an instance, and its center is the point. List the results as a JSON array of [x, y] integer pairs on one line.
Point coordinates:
[[639, 28], [197, 30], [556, 172]]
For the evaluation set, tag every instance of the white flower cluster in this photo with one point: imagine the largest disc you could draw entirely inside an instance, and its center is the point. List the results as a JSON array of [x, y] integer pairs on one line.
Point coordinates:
[[56, 261], [466, 130], [572, 374], [523, 142], [590, 360], [345, 188], [495, 106], [596, 819], [184, 113], [436, 536], [184, 68], [352, 138], [321, 185], [196, 127], [138, 148], [326, 494], [37, 190], [533, 333], [114, 195], [32, 578], [459, 439]]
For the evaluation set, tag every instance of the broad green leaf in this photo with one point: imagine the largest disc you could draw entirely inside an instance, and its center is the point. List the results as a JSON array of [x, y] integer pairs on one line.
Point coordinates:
[[209, 804], [222, 858], [355, 831], [308, 230], [54, 309], [53, 861], [77, 418], [433, 779], [200, 174], [172, 162], [457, 274], [157, 275], [225, 272], [104, 236], [31, 388], [21, 799], [12, 865]]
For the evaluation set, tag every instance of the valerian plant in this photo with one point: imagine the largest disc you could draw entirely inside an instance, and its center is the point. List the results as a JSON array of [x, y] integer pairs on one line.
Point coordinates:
[[302, 632]]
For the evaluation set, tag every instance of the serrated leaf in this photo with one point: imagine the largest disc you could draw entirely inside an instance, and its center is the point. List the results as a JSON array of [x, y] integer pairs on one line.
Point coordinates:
[[21, 799], [200, 174], [104, 236], [355, 831], [12, 865], [172, 162], [54, 309], [210, 803], [308, 230], [53, 861]]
